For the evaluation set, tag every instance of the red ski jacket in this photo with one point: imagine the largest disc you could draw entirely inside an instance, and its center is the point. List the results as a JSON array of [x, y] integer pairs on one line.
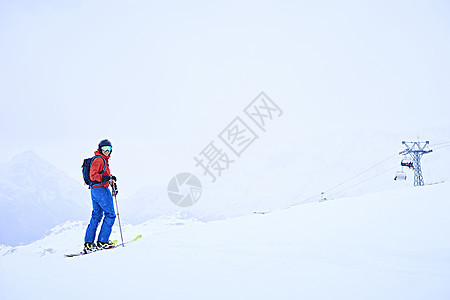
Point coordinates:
[[97, 167]]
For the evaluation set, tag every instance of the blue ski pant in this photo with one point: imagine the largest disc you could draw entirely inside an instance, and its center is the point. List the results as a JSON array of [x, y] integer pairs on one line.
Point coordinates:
[[103, 204]]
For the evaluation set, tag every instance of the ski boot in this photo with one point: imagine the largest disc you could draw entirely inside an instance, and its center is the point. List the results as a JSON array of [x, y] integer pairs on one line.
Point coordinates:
[[108, 245], [89, 247]]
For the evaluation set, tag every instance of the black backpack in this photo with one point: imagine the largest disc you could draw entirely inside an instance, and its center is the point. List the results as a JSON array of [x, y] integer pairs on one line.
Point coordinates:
[[86, 170]]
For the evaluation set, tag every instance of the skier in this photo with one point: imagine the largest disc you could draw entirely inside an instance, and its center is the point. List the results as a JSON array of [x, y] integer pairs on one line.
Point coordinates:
[[102, 200]]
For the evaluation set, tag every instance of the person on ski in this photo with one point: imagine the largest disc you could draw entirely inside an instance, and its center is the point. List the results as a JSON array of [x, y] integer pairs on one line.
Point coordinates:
[[102, 200]]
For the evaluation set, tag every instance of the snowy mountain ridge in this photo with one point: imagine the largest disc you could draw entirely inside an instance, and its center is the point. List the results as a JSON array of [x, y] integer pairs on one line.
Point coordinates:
[[35, 197]]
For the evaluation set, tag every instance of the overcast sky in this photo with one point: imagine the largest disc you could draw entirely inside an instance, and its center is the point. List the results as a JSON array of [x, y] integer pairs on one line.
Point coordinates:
[[161, 79]]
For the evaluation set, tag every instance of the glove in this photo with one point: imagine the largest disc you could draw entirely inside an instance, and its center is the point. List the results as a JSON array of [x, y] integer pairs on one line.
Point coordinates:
[[108, 178], [105, 178]]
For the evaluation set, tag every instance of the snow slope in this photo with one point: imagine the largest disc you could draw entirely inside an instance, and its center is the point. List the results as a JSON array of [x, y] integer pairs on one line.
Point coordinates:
[[388, 245]]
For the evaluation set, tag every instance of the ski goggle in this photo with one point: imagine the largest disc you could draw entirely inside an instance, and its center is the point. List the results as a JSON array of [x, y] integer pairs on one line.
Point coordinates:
[[106, 148]]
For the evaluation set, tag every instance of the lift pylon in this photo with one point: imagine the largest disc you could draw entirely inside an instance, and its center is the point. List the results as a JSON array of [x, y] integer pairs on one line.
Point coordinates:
[[416, 150]]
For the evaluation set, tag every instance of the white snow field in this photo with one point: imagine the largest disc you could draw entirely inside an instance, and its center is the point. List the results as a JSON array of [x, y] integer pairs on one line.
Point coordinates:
[[389, 245]]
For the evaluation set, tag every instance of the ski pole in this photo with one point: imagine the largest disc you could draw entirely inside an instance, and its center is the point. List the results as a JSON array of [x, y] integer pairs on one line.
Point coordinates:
[[114, 190]]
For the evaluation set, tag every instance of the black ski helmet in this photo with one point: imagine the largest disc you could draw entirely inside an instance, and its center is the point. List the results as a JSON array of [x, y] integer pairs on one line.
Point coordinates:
[[104, 143]]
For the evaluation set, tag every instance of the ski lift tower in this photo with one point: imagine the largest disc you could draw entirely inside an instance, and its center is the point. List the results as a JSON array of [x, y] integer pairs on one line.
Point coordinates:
[[416, 150]]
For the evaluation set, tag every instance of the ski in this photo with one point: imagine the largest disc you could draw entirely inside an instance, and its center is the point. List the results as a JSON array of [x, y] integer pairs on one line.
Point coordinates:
[[115, 242]]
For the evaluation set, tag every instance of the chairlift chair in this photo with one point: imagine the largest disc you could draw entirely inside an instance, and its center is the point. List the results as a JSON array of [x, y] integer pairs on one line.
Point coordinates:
[[407, 162], [400, 175]]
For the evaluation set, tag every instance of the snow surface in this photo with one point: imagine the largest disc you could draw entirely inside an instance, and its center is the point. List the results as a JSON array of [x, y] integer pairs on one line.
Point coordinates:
[[387, 245]]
